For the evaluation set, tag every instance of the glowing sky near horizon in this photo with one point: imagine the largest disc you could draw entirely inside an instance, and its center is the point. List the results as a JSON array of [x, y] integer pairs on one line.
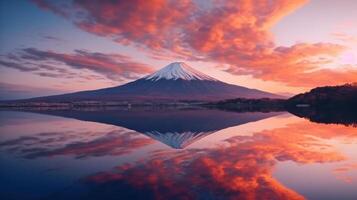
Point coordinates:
[[280, 46]]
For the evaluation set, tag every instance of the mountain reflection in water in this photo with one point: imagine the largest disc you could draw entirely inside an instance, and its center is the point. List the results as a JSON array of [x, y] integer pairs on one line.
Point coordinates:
[[176, 128], [208, 154]]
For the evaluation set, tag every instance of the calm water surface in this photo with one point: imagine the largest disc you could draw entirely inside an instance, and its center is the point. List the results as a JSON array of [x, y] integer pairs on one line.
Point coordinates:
[[174, 154]]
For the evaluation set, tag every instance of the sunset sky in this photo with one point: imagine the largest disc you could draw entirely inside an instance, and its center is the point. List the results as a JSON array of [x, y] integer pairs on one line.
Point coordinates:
[[281, 46]]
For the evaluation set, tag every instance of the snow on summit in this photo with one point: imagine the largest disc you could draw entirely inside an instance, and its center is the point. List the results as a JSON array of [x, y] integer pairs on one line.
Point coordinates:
[[178, 70]]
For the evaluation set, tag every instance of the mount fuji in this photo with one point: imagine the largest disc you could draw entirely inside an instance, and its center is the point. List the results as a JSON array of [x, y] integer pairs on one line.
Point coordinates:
[[175, 82]]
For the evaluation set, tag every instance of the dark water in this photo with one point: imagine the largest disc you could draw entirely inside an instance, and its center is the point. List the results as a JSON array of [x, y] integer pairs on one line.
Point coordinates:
[[174, 154]]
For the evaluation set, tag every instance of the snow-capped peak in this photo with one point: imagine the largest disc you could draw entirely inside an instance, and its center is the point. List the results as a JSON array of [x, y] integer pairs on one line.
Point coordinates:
[[178, 70]]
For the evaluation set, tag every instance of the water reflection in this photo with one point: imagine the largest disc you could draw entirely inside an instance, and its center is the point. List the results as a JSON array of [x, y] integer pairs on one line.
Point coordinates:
[[208, 154], [240, 169], [116, 142], [346, 116], [176, 128]]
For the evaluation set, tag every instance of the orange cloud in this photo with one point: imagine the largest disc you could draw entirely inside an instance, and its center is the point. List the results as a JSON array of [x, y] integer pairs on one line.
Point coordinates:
[[236, 33], [139, 21], [299, 65]]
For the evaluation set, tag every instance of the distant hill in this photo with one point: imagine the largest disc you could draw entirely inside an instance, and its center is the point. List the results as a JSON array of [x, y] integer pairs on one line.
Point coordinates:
[[330, 104], [328, 96]]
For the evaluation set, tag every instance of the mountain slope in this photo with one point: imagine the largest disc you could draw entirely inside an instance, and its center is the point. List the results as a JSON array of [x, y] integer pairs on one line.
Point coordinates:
[[175, 82]]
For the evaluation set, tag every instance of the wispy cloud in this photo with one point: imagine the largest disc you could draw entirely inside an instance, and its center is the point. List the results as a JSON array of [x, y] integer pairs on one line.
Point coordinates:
[[17, 66], [50, 64], [49, 37]]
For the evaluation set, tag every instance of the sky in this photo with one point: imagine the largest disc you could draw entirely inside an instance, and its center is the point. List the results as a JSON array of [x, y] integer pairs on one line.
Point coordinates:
[[280, 46]]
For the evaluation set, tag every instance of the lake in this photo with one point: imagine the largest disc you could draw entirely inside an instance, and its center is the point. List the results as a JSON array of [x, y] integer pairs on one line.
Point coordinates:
[[174, 154]]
